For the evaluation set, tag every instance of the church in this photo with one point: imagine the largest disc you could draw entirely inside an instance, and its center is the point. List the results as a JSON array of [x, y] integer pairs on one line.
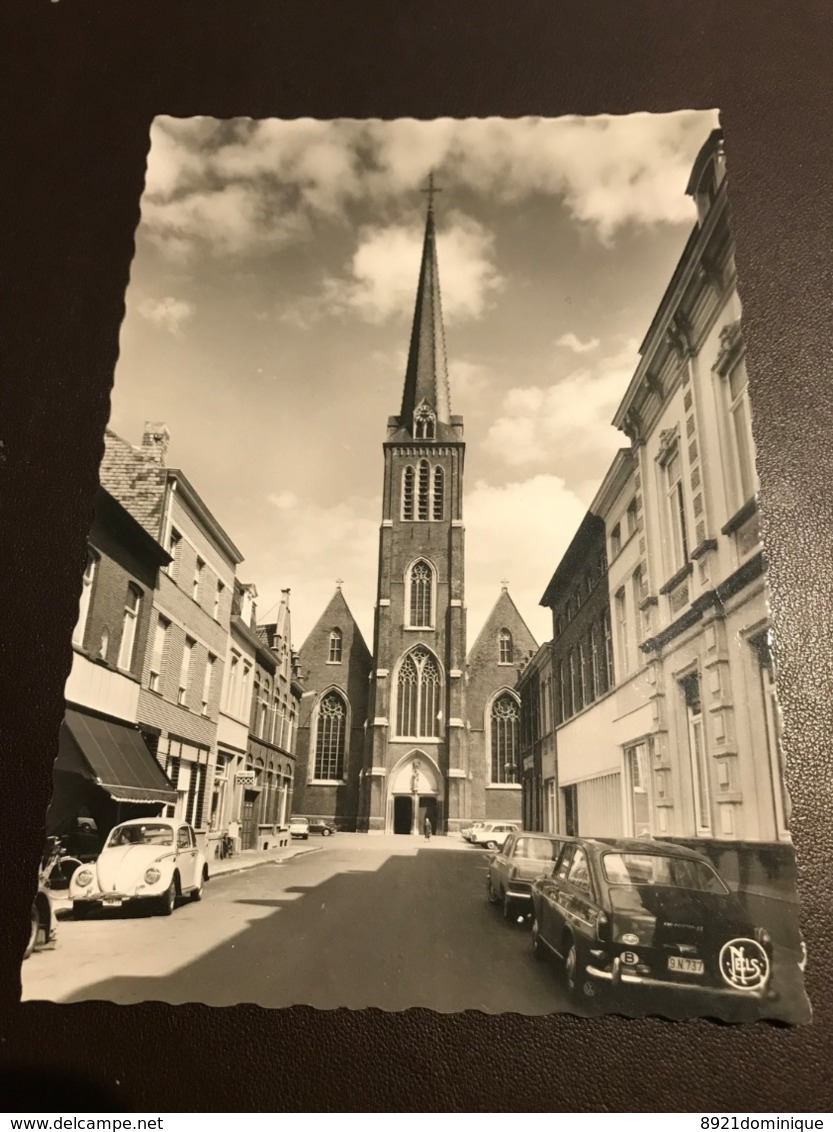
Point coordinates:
[[415, 728]]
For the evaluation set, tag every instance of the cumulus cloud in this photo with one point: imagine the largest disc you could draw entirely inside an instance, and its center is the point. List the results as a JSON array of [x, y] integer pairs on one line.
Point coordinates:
[[573, 342], [168, 314], [536, 424], [243, 184], [518, 531], [379, 280]]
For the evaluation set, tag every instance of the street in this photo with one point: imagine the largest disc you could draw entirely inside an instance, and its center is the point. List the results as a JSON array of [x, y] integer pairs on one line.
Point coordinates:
[[390, 922]]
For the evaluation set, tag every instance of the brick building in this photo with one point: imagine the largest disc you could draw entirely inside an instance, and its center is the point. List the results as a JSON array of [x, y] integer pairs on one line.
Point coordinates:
[[415, 729], [182, 678], [104, 770]]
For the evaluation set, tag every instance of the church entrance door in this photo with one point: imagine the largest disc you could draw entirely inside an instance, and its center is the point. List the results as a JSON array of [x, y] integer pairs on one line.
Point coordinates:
[[427, 809], [403, 814]]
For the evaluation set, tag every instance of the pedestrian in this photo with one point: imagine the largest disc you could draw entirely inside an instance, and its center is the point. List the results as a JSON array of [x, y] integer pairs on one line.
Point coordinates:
[[427, 828]]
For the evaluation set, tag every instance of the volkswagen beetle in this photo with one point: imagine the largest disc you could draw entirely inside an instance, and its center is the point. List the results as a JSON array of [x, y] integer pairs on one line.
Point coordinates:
[[150, 860]]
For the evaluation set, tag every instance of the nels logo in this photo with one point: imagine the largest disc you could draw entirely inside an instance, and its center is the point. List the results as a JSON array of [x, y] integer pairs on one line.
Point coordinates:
[[744, 964]]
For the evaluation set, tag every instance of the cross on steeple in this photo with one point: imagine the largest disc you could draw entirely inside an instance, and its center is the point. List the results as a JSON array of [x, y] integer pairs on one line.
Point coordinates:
[[504, 584], [339, 582], [430, 189]]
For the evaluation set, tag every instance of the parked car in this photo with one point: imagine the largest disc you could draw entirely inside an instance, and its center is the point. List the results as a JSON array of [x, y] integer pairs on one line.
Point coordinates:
[[467, 830], [322, 826], [149, 860], [492, 834], [646, 915], [299, 827], [525, 855]]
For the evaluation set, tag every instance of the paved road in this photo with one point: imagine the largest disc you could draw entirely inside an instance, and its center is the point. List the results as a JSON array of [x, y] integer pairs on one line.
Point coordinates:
[[390, 922]]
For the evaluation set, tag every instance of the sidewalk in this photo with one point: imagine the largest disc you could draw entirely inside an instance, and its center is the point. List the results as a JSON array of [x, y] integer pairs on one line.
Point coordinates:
[[250, 858]]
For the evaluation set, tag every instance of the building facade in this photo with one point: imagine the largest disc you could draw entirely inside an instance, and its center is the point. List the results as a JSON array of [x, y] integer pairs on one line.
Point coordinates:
[[104, 770], [680, 738], [415, 729]]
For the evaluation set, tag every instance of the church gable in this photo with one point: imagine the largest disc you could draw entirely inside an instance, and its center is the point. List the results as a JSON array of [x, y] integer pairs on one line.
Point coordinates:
[[335, 655], [494, 662]]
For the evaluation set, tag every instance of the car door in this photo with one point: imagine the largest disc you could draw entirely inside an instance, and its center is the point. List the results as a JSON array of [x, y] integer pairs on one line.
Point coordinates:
[[186, 856], [501, 865], [576, 898], [551, 914]]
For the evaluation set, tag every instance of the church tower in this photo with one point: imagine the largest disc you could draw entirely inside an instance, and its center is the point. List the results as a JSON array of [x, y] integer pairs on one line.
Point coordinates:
[[415, 755]]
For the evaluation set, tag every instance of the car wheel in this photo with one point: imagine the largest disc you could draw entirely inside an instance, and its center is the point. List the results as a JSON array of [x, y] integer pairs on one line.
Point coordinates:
[[490, 892], [167, 903], [33, 932], [538, 949], [80, 910], [580, 988], [197, 893], [491, 845], [326, 832]]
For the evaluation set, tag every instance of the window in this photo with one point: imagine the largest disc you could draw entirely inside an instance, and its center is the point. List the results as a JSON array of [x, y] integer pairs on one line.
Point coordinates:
[[608, 649], [218, 599], [418, 700], [84, 604], [589, 669], [130, 620], [636, 777], [676, 509], [408, 486], [579, 874], [505, 650], [334, 655], [198, 571], [424, 477], [615, 541], [234, 676], [175, 551], [196, 794], [621, 609], [424, 423], [160, 638], [690, 687], [596, 662], [741, 432], [504, 735], [763, 655], [575, 690], [437, 495], [245, 684], [581, 664], [421, 596], [206, 683], [630, 518], [330, 735], [564, 693], [184, 670]]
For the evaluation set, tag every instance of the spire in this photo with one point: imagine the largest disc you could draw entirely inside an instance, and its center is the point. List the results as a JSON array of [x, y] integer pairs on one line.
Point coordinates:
[[426, 378]]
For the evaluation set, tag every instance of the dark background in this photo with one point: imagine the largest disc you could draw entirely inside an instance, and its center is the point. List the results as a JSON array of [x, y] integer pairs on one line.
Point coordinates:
[[80, 81]]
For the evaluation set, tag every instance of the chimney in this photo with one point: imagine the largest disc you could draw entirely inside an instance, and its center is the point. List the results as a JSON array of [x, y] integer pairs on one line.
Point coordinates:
[[155, 440]]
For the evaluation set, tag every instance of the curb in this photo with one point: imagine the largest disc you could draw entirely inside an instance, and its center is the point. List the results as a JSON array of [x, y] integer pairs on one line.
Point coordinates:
[[244, 866]]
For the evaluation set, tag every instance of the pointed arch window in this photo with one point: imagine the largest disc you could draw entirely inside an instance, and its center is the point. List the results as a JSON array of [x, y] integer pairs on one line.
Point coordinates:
[[419, 692], [408, 492], [334, 655], [504, 646], [437, 494], [421, 596], [424, 423], [330, 736], [423, 490], [504, 740]]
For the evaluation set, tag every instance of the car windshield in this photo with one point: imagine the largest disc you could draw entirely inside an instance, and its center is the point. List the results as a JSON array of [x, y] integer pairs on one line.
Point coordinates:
[[141, 835], [657, 870], [536, 849]]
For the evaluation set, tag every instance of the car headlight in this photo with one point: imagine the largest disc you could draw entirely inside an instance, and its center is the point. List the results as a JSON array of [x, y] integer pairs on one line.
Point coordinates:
[[152, 876], [83, 877], [763, 937]]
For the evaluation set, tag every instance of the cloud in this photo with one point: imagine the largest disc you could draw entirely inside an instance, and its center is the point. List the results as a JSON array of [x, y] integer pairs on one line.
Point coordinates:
[[168, 314], [241, 185], [284, 500], [539, 425], [574, 343], [379, 281], [518, 531]]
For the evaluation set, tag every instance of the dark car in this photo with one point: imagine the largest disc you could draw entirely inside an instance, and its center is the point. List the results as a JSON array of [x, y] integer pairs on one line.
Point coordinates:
[[646, 915], [524, 856], [322, 826]]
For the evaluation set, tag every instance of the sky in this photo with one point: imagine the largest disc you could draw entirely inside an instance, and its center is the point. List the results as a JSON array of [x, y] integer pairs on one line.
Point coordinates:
[[269, 310]]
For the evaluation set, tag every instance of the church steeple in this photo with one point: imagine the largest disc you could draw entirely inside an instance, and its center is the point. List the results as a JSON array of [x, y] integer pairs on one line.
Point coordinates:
[[426, 393]]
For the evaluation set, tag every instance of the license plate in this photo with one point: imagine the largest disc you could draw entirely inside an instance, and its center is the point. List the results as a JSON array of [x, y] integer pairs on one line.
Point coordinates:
[[113, 901], [685, 966]]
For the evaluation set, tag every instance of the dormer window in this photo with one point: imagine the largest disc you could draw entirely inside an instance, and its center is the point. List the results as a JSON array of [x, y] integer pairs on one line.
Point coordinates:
[[334, 656], [425, 423]]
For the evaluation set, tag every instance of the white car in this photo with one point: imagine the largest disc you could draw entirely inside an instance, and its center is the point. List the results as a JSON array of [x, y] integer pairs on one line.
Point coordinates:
[[492, 834], [153, 860], [299, 827], [468, 830]]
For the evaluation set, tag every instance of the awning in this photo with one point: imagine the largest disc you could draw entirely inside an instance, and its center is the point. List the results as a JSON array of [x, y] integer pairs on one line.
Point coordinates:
[[118, 758]]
